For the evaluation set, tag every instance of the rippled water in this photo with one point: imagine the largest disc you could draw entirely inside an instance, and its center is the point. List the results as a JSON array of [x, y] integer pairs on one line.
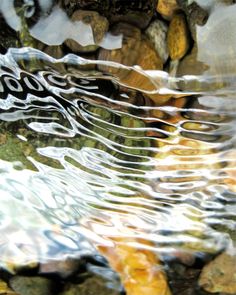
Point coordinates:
[[84, 162]]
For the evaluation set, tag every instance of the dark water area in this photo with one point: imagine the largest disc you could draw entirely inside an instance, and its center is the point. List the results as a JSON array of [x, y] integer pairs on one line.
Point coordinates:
[[90, 161]]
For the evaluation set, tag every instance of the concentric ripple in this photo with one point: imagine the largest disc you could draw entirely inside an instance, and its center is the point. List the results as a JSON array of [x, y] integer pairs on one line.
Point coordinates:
[[84, 161]]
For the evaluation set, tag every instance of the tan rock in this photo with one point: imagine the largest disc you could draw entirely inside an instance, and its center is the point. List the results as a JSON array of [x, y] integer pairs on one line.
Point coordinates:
[[178, 37], [147, 59], [99, 25], [220, 275], [136, 50], [190, 65], [126, 55], [167, 8]]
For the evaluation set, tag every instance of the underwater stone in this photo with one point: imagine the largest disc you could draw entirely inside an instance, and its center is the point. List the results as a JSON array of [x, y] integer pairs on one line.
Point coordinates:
[[99, 25], [167, 8], [195, 14], [31, 285], [126, 55], [93, 285], [137, 12], [157, 33], [220, 275], [178, 37]]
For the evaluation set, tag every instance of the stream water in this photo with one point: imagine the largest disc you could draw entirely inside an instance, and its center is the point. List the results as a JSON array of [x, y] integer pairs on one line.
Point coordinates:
[[84, 162]]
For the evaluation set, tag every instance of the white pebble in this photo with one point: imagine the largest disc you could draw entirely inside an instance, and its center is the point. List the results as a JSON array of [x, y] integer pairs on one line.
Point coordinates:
[[157, 33]]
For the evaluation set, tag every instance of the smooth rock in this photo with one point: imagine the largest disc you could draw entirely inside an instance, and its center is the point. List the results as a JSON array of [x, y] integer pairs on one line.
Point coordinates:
[[196, 16], [167, 8], [126, 55], [99, 25], [91, 286], [220, 275], [31, 285], [190, 65], [178, 37], [157, 33], [54, 51], [147, 59], [138, 51]]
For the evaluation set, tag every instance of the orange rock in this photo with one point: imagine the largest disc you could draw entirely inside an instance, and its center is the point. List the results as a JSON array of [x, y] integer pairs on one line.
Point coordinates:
[[127, 55], [167, 8], [140, 270], [137, 50], [178, 37], [220, 275], [147, 59]]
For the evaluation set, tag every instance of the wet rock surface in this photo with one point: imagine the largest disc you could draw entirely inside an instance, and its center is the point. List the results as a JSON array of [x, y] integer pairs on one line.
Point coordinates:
[[196, 16], [178, 37], [157, 34], [126, 55], [92, 285], [167, 8], [219, 275], [31, 285]]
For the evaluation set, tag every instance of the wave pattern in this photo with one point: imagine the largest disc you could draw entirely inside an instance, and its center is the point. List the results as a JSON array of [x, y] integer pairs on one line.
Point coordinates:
[[84, 161]]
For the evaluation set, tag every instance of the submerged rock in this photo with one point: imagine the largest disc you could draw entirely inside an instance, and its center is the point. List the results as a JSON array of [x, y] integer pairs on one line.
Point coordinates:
[[31, 285], [178, 37], [148, 59], [93, 285], [126, 55], [137, 50], [195, 14], [137, 12], [99, 26], [157, 34], [220, 275], [190, 65], [167, 8]]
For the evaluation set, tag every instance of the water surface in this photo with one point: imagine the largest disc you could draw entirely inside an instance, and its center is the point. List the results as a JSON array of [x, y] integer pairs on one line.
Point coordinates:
[[84, 162]]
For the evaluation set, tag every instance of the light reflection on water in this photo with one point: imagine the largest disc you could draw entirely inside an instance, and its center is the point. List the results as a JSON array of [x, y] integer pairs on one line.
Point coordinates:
[[99, 175], [85, 162]]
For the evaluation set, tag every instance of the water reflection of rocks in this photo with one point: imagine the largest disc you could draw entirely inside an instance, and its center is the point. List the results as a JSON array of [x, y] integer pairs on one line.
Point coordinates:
[[182, 38]]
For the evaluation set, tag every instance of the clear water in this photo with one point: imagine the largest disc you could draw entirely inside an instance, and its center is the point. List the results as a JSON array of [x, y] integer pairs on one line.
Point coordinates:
[[84, 162]]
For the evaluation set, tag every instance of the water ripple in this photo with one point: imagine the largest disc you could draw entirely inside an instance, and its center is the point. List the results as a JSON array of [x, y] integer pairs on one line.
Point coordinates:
[[84, 161]]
